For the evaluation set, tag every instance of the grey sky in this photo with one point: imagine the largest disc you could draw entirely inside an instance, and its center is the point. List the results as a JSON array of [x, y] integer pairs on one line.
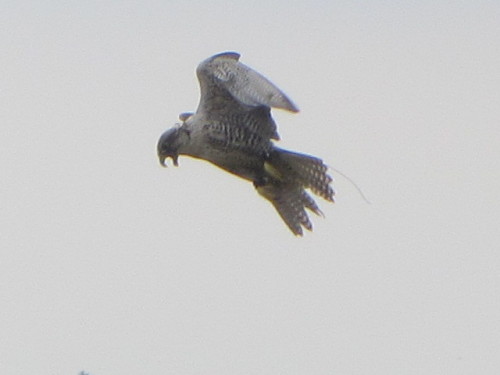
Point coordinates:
[[114, 265]]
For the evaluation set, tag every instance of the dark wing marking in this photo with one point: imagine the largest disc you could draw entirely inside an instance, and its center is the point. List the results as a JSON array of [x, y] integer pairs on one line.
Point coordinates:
[[224, 136]]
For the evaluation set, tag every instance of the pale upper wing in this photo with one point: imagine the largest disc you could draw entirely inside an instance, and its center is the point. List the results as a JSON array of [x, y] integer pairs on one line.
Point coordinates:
[[224, 81]]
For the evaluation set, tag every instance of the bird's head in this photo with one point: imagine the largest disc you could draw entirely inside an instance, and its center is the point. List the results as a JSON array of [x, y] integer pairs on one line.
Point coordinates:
[[170, 142]]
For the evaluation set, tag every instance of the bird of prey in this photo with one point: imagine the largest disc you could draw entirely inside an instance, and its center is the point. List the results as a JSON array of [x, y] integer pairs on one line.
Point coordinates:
[[232, 128]]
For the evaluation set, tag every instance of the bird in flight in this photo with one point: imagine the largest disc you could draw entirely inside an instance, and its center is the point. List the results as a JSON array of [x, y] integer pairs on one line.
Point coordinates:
[[233, 129]]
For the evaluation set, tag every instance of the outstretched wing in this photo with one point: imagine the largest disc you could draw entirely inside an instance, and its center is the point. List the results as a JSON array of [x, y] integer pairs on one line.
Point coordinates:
[[242, 83], [230, 89]]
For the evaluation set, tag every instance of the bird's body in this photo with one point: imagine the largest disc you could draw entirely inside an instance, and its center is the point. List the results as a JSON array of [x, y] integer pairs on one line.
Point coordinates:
[[233, 129], [235, 149]]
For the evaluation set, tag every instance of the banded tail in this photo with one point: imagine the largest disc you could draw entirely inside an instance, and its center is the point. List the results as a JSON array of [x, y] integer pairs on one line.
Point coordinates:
[[288, 175]]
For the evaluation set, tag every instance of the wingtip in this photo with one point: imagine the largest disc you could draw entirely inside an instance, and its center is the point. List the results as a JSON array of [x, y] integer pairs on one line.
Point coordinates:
[[287, 105]]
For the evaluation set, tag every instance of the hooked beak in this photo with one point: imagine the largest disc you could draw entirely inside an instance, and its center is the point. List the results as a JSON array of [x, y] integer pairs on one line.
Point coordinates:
[[163, 159], [170, 143]]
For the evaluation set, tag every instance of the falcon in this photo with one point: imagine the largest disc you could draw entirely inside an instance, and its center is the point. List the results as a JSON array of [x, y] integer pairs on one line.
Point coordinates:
[[233, 129]]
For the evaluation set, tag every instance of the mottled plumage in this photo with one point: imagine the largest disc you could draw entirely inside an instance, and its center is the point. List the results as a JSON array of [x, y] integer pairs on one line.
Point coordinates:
[[233, 129]]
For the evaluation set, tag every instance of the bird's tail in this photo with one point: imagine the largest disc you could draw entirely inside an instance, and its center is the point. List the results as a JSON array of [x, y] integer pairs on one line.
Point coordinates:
[[305, 170], [290, 174]]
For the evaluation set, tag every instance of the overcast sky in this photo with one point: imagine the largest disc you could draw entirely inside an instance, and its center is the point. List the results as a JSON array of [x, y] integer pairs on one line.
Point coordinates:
[[113, 265]]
